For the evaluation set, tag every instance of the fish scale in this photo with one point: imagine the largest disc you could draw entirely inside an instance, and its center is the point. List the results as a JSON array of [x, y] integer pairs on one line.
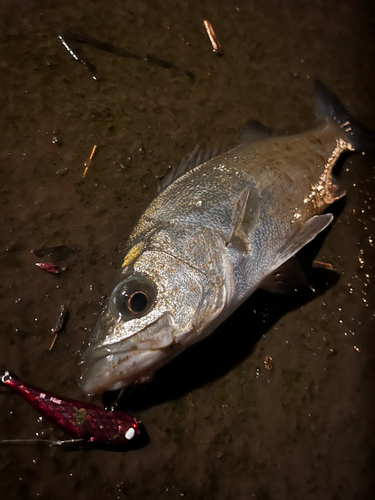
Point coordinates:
[[216, 232]]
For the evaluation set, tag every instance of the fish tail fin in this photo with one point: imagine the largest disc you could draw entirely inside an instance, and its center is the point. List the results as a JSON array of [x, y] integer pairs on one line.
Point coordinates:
[[328, 107]]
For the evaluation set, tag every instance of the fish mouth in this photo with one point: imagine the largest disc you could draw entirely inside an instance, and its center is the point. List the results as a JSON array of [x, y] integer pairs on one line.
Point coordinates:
[[116, 371], [130, 361]]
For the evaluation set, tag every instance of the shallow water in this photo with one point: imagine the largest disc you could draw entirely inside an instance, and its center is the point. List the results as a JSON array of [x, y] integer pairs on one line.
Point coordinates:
[[221, 426]]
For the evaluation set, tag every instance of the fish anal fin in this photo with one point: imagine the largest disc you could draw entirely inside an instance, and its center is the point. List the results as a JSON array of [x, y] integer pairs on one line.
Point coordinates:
[[288, 278], [302, 235]]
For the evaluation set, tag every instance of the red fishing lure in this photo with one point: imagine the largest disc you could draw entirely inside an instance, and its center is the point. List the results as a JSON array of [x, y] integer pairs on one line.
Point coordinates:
[[85, 423], [49, 267]]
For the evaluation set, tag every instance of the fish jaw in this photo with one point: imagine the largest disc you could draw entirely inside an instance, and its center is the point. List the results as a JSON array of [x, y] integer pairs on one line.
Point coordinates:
[[130, 361], [116, 371]]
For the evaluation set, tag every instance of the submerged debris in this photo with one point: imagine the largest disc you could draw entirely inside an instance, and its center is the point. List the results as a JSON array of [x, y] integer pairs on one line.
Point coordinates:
[[87, 164], [216, 47], [76, 53], [60, 252], [268, 363], [59, 325], [72, 38]]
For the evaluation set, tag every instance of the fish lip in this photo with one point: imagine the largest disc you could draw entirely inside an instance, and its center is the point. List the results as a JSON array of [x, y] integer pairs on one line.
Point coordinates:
[[111, 366], [117, 370]]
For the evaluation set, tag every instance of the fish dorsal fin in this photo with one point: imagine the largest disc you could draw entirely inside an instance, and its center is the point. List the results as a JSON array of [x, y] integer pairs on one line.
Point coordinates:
[[199, 155], [243, 217], [303, 235], [254, 131]]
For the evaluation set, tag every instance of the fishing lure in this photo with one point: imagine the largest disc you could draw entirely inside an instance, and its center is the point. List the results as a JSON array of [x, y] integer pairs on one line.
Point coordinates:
[[49, 267], [87, 424]]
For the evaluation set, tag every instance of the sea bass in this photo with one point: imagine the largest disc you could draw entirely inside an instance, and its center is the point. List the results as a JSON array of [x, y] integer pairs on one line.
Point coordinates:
[[215, 233]]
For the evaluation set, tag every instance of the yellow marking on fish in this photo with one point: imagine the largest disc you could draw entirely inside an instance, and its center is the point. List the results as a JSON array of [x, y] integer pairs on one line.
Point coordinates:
[[132, 254]]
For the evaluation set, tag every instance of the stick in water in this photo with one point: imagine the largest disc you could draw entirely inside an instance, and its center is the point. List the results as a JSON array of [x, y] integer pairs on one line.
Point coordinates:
[[216, 47], [87, 164]]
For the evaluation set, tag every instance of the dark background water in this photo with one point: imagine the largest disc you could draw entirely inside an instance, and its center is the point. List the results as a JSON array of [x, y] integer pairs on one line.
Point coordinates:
[[221, 426]]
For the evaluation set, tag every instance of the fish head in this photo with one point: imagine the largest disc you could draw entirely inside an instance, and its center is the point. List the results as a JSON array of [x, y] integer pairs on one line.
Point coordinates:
[[158, 308]]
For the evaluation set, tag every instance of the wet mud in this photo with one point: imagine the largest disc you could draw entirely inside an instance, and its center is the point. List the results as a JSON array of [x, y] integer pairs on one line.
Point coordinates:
[[221, 424]]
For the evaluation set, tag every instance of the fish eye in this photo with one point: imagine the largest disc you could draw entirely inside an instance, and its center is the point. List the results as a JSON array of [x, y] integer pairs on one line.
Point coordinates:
[[133, 297], [138, 302]]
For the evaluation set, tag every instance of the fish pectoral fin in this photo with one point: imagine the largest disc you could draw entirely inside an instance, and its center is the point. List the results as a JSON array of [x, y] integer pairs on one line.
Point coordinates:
[[288, 275], [243, 217], [288, 278], [254, 131], [303, 235]]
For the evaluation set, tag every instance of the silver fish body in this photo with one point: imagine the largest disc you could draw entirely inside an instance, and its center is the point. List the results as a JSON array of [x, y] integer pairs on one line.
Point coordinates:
[[210, 239]]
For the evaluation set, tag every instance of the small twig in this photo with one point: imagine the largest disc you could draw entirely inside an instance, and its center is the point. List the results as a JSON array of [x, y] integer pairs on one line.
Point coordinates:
[[324, 265], [53, 341], [58, 325], [71, 38], [87, 164], [216, 47]]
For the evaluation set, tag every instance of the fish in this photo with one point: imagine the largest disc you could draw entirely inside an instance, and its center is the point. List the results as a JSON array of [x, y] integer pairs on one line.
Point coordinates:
[[219, 229], [85, 423]]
